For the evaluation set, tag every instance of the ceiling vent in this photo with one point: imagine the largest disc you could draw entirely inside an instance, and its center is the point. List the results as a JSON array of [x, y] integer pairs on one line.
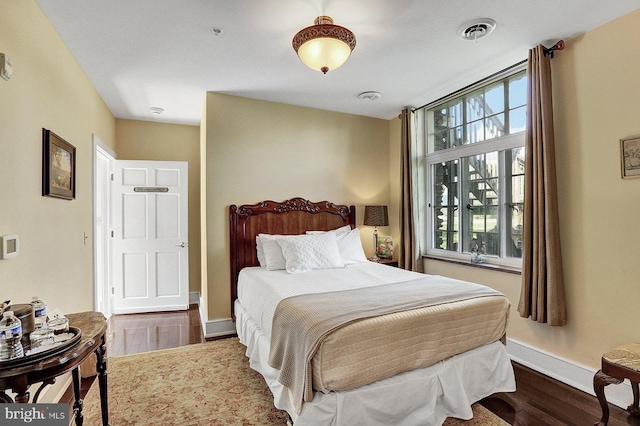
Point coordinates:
[[476, 29]]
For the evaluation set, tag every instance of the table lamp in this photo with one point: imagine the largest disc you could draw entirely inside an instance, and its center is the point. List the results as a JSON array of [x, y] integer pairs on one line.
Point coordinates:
[[376, 216]]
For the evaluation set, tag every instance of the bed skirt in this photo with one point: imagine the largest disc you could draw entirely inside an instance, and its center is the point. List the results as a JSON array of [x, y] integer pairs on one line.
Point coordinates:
[[425, 396]]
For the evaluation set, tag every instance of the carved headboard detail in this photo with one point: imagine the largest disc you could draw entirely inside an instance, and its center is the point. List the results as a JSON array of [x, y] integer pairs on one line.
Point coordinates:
[[290, 217]]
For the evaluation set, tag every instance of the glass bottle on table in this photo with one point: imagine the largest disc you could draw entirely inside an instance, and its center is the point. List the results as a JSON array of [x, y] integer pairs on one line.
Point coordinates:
[[39, 312]]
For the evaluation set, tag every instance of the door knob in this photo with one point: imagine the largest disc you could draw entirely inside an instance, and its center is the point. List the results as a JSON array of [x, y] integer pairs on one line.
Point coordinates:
[[183, 245]]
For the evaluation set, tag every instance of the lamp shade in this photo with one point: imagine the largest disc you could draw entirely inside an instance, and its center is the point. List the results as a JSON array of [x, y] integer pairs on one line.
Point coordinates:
[[324, 46], [376, 216]]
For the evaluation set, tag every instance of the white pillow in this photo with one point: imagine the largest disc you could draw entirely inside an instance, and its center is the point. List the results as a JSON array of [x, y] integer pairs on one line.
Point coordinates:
[[304, 253], [349, 244], [274, 260], [342, 230], [350, 247]]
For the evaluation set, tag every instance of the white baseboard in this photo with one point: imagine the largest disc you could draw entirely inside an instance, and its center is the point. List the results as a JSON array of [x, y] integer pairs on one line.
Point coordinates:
[[566, 371], [214, 328], [219, 327]]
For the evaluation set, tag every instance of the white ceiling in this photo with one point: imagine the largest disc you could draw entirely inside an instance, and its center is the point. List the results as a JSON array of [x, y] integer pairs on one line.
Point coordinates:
[[163, 53]]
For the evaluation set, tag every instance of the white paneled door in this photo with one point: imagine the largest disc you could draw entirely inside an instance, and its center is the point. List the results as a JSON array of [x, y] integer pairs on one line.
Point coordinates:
[[150, 229]]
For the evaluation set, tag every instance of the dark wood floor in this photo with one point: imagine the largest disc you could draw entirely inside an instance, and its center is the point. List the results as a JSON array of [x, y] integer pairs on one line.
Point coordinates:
[[543, 401], [135, 333], [538, 401]]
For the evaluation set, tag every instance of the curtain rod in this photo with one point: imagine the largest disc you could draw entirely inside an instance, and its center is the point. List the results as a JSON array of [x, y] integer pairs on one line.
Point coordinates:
[[558, 46], [477, 83]]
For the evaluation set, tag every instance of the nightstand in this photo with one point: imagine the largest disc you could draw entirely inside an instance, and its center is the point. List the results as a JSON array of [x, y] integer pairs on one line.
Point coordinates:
[[389, 261]]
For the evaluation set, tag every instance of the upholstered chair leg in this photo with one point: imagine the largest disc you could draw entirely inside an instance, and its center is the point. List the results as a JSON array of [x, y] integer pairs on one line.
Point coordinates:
[[600, 380]]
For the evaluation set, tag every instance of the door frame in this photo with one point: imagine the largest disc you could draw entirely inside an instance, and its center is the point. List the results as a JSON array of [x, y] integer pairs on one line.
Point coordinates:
[[101, 199]]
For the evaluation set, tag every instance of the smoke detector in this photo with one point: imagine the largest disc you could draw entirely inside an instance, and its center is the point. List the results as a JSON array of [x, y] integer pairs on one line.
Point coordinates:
[[369, 96], [156, 110], [476, 29]]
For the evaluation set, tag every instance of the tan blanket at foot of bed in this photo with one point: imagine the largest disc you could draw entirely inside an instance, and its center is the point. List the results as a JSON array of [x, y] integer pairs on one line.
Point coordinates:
[[301, 323], [374, 349]]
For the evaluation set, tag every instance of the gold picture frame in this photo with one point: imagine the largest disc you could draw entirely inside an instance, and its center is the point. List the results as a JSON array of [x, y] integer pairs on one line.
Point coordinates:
[[630, 157], [58, 167]]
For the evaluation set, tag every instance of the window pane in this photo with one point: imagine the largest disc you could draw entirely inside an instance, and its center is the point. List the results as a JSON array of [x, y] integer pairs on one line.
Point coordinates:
[[475, 106], [475, 132], [492, 164], [492, 219], [517, 175], [441, 139], [517, 119], [445, 183], [492, 243], [482, 207], [494, 126], [455, 114], [445, 205], [446, 229], [518, 90], [457, 136], [477, 220], [437, 125], [515, 210], [491, 192], [514, 243], [494, 99]]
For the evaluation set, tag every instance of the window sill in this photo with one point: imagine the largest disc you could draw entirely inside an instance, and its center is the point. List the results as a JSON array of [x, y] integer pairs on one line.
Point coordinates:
[[489, 266]]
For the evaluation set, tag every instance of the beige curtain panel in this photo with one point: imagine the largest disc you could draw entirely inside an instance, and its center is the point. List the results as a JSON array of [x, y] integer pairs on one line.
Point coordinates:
[[411, 259], [542, 297]]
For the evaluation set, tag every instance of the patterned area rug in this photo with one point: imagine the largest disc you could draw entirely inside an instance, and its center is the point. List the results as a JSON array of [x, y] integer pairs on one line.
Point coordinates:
[[204, 384]]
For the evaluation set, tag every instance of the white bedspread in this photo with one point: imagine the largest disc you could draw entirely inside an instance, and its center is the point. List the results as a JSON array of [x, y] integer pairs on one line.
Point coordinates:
[[260, 290]]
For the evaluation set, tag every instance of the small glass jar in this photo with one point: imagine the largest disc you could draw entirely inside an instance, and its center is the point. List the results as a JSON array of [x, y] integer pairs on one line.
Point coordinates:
[[42, 336], [59, 324]]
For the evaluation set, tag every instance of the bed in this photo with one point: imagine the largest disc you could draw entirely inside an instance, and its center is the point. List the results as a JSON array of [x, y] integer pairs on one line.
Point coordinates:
[[414, 363]]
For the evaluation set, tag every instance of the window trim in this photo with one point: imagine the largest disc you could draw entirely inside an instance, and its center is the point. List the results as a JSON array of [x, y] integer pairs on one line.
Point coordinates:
[[510, 141]]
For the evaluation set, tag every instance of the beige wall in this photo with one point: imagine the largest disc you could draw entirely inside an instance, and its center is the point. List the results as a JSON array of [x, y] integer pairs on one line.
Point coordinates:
[[48, 89], [260, 150], [596, 103], [146, 140]]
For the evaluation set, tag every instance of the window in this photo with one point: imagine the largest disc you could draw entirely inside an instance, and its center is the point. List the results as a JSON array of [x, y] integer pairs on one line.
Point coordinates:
[[475, 170]]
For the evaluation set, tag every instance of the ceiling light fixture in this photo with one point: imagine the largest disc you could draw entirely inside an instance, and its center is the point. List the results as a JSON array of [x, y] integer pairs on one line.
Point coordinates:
[[475, 30], [324, 46]]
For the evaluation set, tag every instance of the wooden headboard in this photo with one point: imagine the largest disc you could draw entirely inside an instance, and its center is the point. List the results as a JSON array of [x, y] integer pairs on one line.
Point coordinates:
[[290, 217]]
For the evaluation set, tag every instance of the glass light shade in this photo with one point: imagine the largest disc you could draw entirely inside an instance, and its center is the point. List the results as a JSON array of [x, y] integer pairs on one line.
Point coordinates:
[[324, 46], [322, 54]]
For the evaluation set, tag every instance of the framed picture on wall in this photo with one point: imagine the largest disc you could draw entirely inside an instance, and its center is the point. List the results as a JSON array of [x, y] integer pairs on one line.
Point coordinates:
[[58, 167], [630, 157]]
